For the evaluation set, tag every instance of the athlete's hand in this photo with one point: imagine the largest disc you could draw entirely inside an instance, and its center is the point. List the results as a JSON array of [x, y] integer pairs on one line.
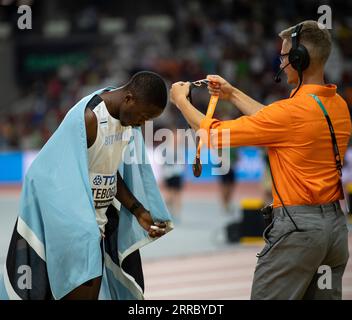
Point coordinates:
[[219, 86], [179, 92], [155, 229]]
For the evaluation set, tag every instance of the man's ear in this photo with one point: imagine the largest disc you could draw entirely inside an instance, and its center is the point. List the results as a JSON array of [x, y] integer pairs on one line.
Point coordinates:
[[129, 98]]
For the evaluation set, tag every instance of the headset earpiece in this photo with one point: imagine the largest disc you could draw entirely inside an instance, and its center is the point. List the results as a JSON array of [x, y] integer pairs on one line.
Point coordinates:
[[299, 58], [298, 54]]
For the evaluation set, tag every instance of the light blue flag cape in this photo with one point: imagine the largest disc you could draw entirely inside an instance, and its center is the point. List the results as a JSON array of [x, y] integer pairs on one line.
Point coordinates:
[[56, 244]]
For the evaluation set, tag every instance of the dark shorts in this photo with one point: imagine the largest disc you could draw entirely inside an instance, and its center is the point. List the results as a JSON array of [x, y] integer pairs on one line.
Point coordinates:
[[228, 178], [175, 182]]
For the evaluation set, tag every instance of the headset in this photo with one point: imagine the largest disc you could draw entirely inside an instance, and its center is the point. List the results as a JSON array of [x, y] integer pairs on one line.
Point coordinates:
[[298, 57]]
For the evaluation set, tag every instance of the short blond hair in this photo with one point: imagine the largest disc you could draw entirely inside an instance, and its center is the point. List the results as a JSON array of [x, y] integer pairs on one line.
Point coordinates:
[[315, 37]]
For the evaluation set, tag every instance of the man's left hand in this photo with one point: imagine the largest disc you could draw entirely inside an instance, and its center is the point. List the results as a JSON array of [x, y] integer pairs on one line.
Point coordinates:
[[179, 91], [155, 229]]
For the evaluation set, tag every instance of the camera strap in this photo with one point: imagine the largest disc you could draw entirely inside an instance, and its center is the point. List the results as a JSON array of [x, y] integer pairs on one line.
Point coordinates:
[[334, 146], [278, 194]]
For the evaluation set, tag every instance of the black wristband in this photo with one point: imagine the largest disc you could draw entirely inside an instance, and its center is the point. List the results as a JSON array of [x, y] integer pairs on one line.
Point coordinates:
[[135, 206]]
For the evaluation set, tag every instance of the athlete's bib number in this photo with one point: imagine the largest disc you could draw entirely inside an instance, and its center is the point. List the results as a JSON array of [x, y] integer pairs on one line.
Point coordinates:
[[103, 189]]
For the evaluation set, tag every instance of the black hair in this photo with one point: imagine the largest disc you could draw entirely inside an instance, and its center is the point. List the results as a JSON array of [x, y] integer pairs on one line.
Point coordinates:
[[148, 88]]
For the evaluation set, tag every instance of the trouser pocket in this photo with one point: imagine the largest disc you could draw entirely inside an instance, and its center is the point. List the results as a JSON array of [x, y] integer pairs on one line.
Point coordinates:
[[266, 239], [274, 233]]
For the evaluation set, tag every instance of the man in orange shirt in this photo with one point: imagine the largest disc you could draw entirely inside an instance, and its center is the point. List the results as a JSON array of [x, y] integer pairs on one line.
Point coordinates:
[[308, 235]]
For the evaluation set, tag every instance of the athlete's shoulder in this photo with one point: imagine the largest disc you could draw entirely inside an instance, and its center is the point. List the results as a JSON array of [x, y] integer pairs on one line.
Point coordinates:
[[89, 117], [91, 122]]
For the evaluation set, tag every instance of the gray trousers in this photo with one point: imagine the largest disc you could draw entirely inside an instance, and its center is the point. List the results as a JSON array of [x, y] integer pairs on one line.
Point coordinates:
[[305, 264]]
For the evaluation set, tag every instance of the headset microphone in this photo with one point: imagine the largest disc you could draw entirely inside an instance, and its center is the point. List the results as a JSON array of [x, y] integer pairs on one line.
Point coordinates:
[[277, 78]]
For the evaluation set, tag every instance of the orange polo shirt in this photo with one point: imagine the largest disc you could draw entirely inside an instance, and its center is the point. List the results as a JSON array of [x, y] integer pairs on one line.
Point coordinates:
[[299, 143]]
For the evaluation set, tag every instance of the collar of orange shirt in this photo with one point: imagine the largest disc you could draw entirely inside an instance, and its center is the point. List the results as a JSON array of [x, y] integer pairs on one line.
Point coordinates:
[[327, 90]]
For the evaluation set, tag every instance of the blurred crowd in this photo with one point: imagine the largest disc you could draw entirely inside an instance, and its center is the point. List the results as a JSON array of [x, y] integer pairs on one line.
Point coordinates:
[[185, 40]]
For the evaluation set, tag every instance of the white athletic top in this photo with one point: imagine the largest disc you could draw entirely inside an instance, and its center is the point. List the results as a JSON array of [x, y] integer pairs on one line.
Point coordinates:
[[104, 158]]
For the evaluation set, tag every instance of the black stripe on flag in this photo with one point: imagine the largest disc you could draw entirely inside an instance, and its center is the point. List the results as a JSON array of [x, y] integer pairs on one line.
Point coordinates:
[[21, 257], [132, 264]]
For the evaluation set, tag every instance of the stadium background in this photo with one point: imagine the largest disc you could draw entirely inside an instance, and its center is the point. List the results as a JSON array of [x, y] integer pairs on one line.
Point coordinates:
[[75, 47]]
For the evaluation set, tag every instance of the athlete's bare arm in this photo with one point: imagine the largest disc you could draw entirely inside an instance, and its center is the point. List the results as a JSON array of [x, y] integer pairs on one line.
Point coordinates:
[[127, 199], [91, 126]]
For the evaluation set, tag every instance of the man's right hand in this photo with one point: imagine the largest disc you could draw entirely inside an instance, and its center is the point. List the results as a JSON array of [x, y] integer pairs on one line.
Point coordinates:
[[155, 229], [219, 86]]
